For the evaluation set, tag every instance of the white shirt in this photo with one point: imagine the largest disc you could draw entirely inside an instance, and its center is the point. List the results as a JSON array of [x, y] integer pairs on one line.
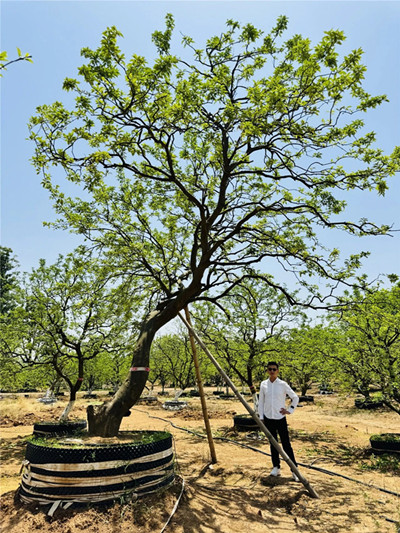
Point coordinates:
[[272, 398]]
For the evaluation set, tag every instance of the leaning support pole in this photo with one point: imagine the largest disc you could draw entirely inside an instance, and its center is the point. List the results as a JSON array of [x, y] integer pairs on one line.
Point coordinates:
[[260, 424], [201, 391]]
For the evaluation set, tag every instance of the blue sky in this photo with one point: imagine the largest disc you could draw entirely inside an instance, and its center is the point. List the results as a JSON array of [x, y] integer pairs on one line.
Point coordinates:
[[54, 32]]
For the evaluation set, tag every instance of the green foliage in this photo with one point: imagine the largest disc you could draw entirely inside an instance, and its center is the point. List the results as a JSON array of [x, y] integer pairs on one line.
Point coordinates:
[[200, 171], [8, 280], [5, 62], [303, 356], [386, 437], [370, 351], [384, 463], [210, 165], [69, 315]]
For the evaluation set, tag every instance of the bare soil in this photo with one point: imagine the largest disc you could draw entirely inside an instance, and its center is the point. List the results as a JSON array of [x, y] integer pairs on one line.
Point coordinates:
[[237, 494]]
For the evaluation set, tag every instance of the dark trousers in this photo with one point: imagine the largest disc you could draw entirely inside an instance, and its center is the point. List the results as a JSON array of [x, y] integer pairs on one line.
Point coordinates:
[[279, 427]]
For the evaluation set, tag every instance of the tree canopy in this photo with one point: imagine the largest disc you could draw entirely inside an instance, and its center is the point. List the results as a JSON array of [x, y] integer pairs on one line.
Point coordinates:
[[199, 171], [370, 353], [68, 314]]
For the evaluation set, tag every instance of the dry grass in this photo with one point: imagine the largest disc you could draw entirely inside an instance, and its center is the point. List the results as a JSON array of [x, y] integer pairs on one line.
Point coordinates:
[[16, 407]]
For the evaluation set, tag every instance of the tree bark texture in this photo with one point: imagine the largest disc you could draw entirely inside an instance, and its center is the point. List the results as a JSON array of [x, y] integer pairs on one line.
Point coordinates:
[[104, 420]]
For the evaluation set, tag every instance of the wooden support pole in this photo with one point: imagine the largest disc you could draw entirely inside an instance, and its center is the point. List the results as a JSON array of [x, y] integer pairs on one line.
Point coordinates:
[[255, 417], [201, 390]]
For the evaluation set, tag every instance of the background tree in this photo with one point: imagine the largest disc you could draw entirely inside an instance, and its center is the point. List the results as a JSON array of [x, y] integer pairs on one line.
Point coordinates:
[[200, 171], [9, 280], [370, 353], [71, 314], [304, 356], [160, 366], [247, 333], [111, 368], [174, 353]]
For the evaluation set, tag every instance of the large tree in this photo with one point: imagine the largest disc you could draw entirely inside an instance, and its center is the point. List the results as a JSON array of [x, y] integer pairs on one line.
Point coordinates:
[[202, 170]]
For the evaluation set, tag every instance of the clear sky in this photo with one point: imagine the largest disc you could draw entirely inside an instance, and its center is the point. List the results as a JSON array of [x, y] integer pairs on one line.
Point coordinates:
[[54, 32]]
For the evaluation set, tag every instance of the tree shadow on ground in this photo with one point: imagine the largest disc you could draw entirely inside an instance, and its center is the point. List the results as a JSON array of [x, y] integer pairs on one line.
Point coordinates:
[[208, 506]]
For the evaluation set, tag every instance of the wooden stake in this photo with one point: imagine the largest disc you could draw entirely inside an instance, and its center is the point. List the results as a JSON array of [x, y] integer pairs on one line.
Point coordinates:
[[201, 390], [260, 424]]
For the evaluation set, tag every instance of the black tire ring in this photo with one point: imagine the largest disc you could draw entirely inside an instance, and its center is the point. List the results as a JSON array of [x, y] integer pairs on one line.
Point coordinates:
[[157, 473], [385, 446], [306, 398], [42, 454], [245, 423], [97, 489], [55, 428], [98, 472], [165, 482], [367, 404]]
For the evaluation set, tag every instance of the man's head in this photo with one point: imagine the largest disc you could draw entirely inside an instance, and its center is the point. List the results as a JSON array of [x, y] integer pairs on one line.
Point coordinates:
[[273, 370]]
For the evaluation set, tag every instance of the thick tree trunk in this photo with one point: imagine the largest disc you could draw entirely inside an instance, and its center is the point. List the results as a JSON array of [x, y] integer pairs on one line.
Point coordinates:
[[105, 420]]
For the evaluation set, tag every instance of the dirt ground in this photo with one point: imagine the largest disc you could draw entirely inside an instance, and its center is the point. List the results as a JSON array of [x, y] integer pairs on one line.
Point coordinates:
[[237, 494]]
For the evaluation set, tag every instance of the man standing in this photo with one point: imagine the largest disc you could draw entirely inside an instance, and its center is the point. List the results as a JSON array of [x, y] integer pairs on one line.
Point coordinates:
[[272, 411]]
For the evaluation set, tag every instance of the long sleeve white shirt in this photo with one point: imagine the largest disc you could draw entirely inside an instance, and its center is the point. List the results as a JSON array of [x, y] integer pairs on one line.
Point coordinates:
[[272, 399]]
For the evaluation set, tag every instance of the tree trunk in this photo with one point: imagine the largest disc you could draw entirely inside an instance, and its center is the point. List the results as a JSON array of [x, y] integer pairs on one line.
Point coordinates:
[[73, 389], [104, 420], [67, 410]]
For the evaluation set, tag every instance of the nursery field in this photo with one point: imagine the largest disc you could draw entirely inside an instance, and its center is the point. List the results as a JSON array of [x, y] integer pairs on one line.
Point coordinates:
[[330, 438]]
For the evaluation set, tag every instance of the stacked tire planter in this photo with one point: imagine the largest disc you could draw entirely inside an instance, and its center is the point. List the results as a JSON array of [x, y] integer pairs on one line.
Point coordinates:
[[148, 400], [244, 423], [174, 405], [367, 403], [306, 398], [48, 429], [62, 473], [385, 443]]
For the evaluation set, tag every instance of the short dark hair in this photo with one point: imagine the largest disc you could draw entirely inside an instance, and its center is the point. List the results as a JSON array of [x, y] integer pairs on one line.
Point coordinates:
[[272, 363]]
